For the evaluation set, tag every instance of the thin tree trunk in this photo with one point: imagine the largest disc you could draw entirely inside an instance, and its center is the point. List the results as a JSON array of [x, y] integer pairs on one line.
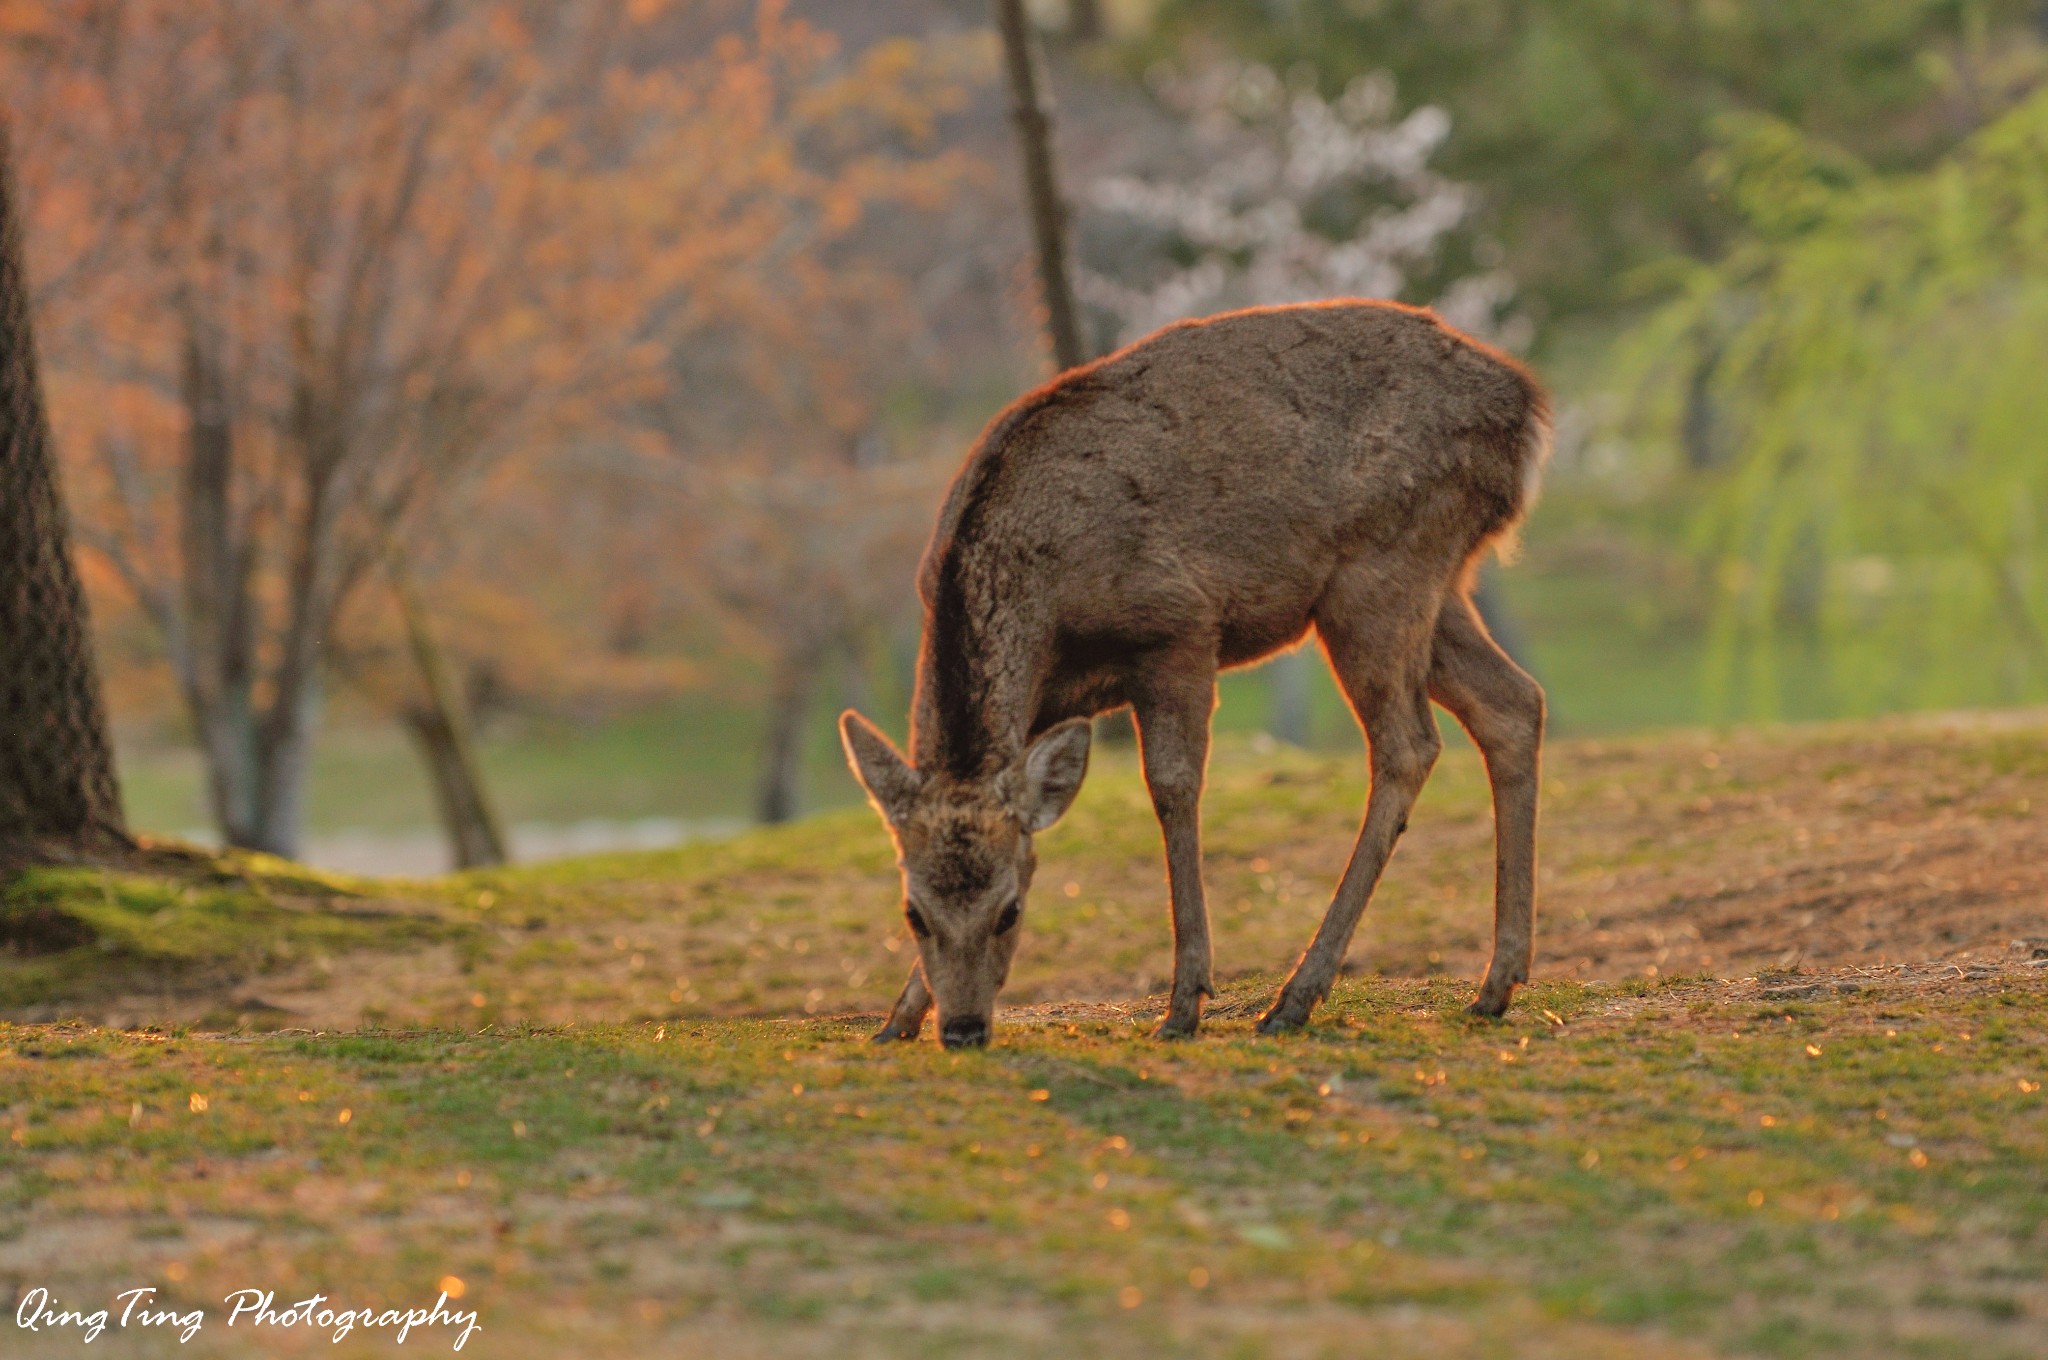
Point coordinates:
[[285, 768], [1500, 621], [854, 688], [1116, 728], [782, 756], [1031, 107], [1290, 677], [58, 795], [287, 725], [447, 744], [1084, 20], [227, 741], [1699, 428], [474, 841], [214, 650]]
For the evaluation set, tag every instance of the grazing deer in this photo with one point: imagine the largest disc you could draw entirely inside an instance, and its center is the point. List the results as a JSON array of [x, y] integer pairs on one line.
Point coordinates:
[[1199, 500]]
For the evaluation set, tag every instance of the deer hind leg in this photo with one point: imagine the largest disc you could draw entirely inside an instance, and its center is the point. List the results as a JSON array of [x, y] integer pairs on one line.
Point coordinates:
[[1384, 673], [1502, 709], [906, 1017], [1173, 706]]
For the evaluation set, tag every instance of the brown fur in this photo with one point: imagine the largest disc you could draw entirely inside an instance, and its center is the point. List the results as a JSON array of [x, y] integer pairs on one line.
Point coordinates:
[[1200, 500]]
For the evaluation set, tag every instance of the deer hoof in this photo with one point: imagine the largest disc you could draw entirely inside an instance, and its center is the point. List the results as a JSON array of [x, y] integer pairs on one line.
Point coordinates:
[[1284, 1018], [1490, 1004], [892, 1033], [1172, 1027]]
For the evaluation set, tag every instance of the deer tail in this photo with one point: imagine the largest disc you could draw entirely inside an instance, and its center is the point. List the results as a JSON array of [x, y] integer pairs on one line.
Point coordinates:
[[1527, 448]]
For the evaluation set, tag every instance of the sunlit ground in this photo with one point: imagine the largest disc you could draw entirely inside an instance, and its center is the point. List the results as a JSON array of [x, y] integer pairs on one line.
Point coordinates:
[[1775, 1091]]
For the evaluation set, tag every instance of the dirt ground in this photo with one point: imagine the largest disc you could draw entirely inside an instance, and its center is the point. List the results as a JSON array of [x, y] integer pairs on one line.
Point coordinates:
[[1729, 855], [1915, 841], [1847, 848]]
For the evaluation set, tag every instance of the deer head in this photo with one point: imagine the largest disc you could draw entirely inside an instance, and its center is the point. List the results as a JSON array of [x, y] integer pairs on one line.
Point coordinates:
[[964, 847]]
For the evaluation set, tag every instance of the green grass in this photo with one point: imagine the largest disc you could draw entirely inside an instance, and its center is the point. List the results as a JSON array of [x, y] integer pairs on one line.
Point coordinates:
[[1670, 1174], [623, 1101], [76, 934]]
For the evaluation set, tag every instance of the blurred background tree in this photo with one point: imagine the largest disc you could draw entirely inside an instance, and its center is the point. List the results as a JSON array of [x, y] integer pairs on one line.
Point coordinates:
[[647, 332], [1875, 348], [317, 267], [1584, 119], [1277, 194], [1689, 562]]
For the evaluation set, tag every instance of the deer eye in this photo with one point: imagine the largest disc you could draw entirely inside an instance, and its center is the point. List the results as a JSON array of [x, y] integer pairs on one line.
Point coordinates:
[[917, 925], [1008, 920]]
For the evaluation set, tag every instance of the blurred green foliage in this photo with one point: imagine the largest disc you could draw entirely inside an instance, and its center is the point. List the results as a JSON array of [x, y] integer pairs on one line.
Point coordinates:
[[1874, 350], [1805, 244], [1584, 119]]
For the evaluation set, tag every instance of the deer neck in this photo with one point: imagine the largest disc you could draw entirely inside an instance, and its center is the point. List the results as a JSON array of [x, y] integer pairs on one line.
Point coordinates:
[[979, 672]]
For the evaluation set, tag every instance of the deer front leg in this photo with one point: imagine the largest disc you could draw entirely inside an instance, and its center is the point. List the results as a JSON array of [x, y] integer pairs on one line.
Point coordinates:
[[1172, 712], [906, 1017]]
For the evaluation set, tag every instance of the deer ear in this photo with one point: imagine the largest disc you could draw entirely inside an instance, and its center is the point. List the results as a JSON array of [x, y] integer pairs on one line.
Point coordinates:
[[1053, 770], [891, 781]]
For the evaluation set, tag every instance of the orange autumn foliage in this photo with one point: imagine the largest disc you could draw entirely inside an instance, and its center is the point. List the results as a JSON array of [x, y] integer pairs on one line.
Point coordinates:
[[312, 277]]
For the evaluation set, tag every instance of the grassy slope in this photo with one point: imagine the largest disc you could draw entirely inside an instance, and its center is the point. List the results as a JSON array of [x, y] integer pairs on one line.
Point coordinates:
[[609, 1116]]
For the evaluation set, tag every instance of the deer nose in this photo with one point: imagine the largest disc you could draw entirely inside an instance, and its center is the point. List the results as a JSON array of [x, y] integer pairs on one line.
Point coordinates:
[[966, 1031]]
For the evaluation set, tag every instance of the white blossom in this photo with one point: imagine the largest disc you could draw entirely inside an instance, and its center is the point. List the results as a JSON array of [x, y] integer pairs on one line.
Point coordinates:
[[1297, 198]]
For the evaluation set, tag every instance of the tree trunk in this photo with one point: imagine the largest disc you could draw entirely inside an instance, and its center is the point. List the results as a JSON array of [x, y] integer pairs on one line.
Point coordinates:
[[213, 647], [1031, 107], [285, 753], [258, 763], [1699, 431], [1084, 20], [855, 692], [474, 841], [441, 728], [1500, 622], [1115, 728], [258, 756], [227, 741], [1290, 677], [291, 719], [58, 796], [782, 756]]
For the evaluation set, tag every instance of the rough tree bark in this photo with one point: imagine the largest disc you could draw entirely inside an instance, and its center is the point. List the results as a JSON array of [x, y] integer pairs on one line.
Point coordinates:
[[58, 796], [1031, 106]]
